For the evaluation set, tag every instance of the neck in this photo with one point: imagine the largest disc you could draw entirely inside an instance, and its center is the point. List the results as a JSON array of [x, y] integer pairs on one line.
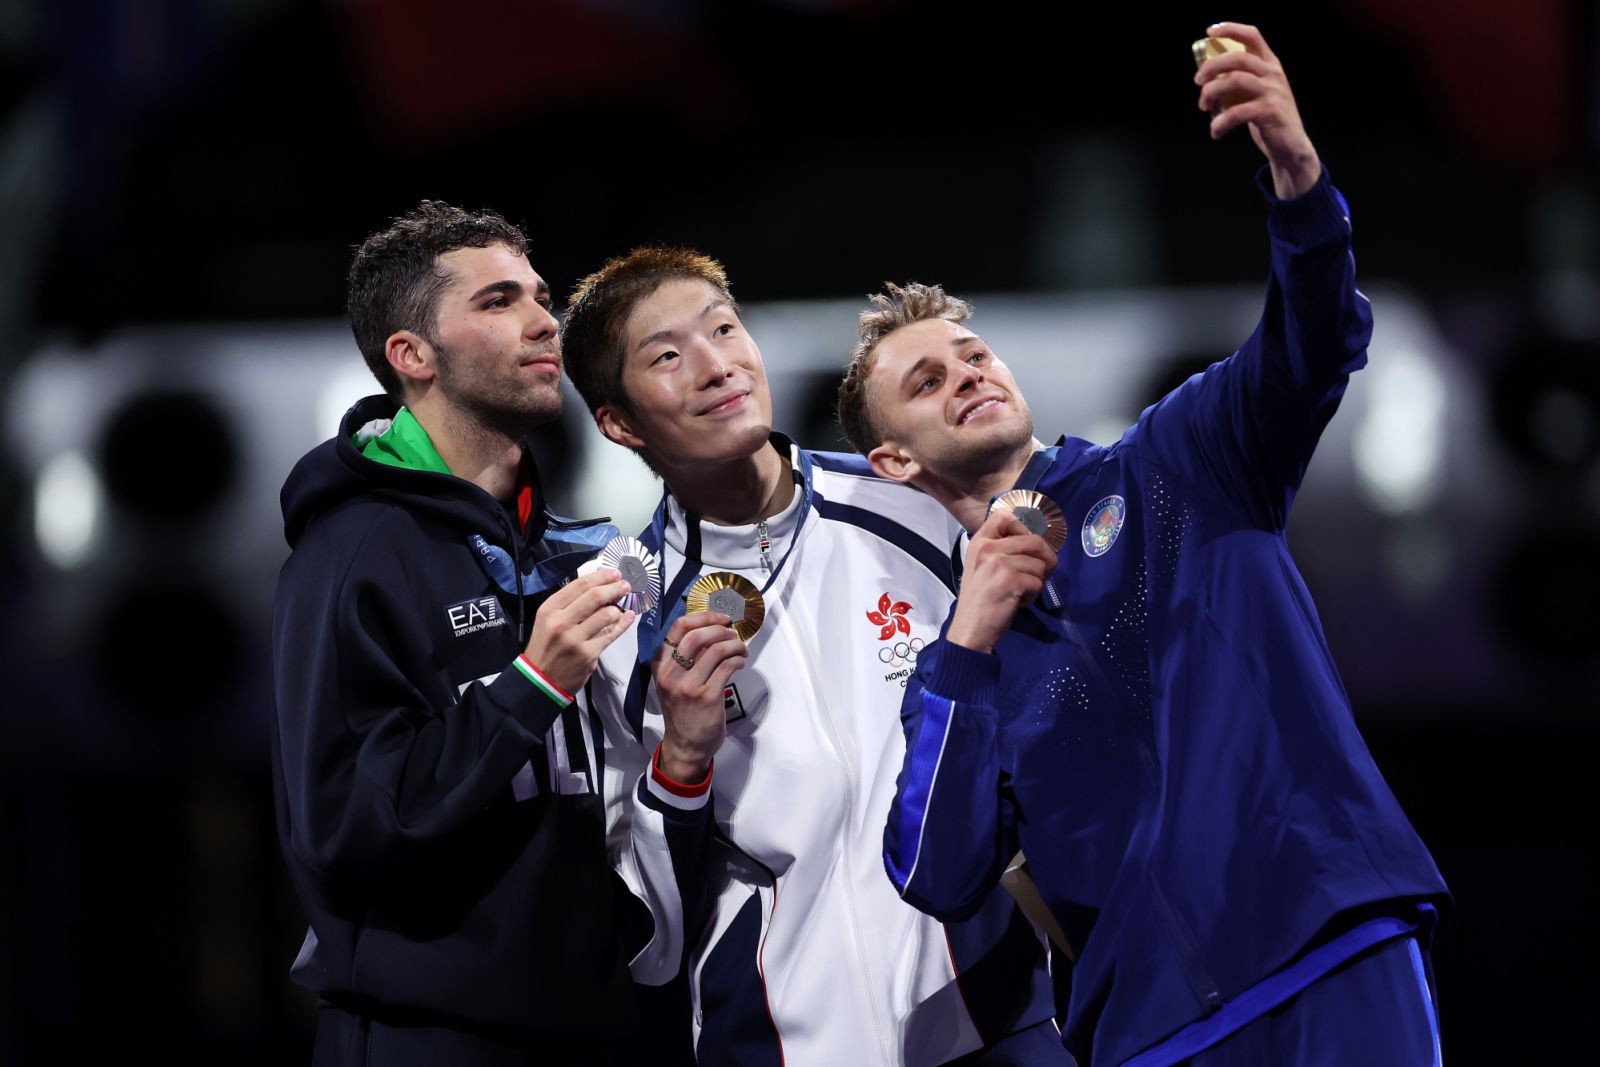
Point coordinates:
[[488, 458], [735, 492], [966, 494]]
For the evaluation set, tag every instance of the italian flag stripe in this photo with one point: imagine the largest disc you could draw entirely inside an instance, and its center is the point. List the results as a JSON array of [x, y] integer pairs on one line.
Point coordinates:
[[546, 686]]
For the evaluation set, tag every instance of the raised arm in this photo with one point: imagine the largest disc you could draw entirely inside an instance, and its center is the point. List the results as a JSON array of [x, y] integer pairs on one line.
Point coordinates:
[[1248, 425]]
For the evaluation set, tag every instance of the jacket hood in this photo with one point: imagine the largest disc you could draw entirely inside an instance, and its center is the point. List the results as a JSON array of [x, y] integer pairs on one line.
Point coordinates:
[[336, 471]]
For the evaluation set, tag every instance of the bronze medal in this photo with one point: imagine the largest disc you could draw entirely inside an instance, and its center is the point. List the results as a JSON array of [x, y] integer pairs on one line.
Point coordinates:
[[1037, 512]]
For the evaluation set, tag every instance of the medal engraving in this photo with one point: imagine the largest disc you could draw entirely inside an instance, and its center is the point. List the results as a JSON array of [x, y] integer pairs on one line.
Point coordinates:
[[1037, 512], [730, 595]]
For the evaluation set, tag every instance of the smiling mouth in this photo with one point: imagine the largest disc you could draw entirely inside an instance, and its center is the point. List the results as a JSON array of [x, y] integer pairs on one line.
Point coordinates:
[[983, 406], [725, 405]]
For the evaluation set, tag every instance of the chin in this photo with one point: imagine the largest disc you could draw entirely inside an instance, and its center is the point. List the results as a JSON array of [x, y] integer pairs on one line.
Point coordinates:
[[735, 442]]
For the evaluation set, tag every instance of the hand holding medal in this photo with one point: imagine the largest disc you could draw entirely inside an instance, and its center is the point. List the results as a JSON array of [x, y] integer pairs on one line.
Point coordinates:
[[637, 564], [1008, 564], [697, 659]]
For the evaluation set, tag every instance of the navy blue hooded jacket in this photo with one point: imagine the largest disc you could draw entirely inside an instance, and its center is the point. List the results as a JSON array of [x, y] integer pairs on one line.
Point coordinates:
[[1163, 733], [449, 855]]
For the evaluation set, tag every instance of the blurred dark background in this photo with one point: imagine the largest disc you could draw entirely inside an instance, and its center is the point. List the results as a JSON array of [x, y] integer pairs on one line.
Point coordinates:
[[182, 181]]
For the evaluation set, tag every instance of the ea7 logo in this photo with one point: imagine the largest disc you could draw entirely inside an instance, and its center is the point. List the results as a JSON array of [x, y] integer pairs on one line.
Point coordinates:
[[470, 616]]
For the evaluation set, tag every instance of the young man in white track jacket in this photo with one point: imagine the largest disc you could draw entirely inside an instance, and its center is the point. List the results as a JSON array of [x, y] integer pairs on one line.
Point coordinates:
[[747, 783]]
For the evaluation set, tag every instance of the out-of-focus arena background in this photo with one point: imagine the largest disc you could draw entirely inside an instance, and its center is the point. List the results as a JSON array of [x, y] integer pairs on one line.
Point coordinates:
[[182, 181]]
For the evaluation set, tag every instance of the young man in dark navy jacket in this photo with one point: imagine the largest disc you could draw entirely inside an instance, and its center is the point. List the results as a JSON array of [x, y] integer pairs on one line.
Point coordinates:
[[435, 783], [1152, 715]]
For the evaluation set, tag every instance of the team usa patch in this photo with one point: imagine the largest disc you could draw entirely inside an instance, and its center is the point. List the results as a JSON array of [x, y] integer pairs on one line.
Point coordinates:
[[1102, 525]]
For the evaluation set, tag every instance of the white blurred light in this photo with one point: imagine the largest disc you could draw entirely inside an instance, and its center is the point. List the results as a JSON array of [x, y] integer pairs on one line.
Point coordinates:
[[1399, 444], [66, 510], [343, 388]]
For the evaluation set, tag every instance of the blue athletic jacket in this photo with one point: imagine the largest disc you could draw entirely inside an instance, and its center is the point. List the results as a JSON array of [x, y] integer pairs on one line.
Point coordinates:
[[1163, 733]]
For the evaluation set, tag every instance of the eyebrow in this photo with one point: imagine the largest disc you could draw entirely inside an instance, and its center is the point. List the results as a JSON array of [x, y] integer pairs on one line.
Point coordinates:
[[668, 334], [511, 288]]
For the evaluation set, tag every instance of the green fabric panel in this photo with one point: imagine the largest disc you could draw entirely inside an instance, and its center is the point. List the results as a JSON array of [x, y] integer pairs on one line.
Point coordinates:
[[405, 444]]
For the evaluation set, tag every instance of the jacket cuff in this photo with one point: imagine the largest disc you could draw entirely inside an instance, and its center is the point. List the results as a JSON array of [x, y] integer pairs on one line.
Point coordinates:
[[529, 696], [963, 674], [1310, 218], [544, 684], [677, 794]]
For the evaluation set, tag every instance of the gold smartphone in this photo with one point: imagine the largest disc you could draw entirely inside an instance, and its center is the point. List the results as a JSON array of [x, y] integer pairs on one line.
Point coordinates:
[[1208, 47]]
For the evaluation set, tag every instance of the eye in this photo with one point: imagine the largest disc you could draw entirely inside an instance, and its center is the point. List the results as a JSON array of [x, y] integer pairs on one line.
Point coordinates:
[[664, 357], [978, 356], [724, 330], [927, 383], [497, 302]]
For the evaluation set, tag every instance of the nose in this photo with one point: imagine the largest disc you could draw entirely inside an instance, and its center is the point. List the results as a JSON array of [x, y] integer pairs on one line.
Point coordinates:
[[968, 377], [541, 325], [712, 366]]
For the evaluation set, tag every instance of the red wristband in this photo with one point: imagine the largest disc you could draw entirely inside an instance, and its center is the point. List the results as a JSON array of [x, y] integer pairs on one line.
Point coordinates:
[[678, 789]]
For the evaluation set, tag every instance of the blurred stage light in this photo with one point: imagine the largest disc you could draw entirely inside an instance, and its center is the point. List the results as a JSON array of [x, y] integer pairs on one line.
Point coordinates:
[[168, 455], [1399, 442], [67, 505], [344, 387]]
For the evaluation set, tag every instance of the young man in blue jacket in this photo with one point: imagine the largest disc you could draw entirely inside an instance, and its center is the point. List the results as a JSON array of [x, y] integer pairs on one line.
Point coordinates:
[[1152, 715], [436, 784]]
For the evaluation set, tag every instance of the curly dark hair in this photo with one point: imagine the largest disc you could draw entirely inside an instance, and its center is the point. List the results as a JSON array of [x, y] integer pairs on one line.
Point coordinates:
[[592, 343], [395, 277], [897, 306]]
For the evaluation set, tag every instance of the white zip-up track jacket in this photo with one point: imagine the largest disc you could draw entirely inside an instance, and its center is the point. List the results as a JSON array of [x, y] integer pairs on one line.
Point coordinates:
[[770, 885]]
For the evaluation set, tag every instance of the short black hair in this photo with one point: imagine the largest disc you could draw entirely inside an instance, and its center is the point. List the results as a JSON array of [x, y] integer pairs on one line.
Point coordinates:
[[395, 278]]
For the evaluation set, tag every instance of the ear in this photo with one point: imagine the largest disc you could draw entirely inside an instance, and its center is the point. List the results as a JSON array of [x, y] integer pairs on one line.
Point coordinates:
[[411, 357], [889, 460], [617, 426]]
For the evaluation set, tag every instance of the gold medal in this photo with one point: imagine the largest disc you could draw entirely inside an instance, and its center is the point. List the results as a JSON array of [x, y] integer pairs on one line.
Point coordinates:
[[731, 595], [1037, 512], [637, 564]]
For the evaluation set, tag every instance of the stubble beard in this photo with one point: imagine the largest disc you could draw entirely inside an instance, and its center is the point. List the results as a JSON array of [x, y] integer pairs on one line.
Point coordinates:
[[972, 466], [504, 411]]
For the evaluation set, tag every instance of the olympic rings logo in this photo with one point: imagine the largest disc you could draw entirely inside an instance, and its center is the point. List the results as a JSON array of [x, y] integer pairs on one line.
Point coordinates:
[[901, 653]]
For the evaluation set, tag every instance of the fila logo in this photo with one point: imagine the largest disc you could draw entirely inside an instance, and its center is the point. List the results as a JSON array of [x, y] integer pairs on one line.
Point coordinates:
[[470, 616], [732, 706]]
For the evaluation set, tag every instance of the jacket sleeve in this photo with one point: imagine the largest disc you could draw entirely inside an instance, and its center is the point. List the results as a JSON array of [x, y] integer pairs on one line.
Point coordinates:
[[1247, 425], [951, 826], [375, 773], [660, 836]]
